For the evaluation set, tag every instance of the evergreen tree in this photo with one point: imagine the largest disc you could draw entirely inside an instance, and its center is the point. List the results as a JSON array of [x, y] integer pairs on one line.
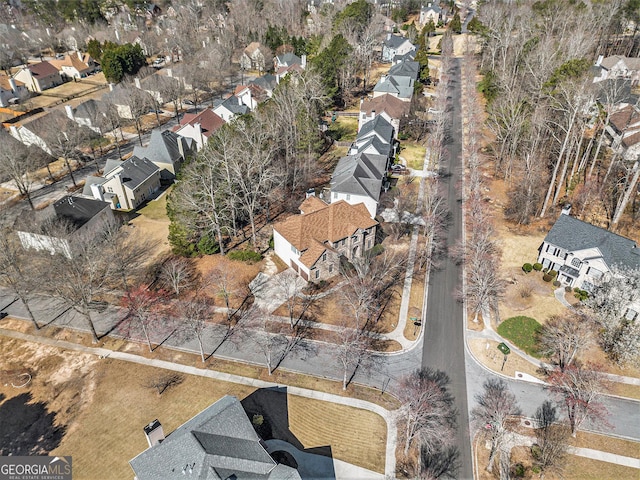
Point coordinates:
[[455, 25]]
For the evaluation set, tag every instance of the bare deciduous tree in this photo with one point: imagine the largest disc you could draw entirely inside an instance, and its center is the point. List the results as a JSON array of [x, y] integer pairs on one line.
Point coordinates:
[[353, 353], [562, 337], [164, 381], [178, 274], [578, 388], [428, 413], [194, 313], [551, 439], [18, 164], [496, 405], [145, 309]]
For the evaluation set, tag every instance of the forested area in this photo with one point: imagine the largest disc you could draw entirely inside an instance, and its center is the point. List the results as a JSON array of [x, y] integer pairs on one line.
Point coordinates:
[[547, 115]]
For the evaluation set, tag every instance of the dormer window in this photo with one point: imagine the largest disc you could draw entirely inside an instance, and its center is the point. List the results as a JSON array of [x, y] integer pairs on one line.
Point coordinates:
[[575, 262]]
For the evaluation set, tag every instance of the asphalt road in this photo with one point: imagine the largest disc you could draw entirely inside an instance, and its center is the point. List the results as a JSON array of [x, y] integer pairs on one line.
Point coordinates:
[[444, 328]]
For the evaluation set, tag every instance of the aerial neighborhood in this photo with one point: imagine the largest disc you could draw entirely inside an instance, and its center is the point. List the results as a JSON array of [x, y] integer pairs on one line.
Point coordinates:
[[320, 239]]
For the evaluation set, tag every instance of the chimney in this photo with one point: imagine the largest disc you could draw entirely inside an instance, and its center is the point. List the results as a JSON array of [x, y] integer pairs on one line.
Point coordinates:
[[154, 433], [304, 61], [599, 61], [137, 82], [388, 36], [12, 84], [179, 140], [566, 210], [111, 87], [69, 111]]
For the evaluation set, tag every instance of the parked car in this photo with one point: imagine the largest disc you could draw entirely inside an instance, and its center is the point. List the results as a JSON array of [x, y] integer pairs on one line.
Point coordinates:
[[186, 101], [158, 62], [399, 169]]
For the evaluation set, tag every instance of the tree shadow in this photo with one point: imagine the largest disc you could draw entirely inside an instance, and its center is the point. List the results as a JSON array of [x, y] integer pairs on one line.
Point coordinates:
[[28, 428], [268, 410]]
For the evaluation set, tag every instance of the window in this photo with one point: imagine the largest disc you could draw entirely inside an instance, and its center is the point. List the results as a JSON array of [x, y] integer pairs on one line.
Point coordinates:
[[324, 257], [348, 197], [317, 273], [335, 195], [575, 262], [330, 268], [294, 249], [354, 238], [369, 243], [342, 242]]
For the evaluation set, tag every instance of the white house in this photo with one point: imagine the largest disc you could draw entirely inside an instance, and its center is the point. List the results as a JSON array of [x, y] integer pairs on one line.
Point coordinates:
[[584, 254], [38, 77], [11, 90], [395, 45], [199, 127], [391, 108]]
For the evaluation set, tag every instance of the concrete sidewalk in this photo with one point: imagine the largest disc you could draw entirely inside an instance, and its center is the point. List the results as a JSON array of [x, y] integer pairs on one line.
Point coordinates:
[[388, 416]]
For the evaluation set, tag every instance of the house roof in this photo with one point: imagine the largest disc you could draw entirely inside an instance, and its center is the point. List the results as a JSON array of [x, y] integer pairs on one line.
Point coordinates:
[[288, 59], [217, 443], [89, 109], [405, 68], [5, 85], [431, 7], [632, 63], [401, 86], [255, 46], [134, 171], [631, 140], [392, 106], [163, 147], [91, 180], [72, 60], [380, 127], [78, 210], [328, 224], [42, 69], [311, 204], [409, 56], [268, 82], [394, 41], [234, 105], [572, 235], [625, 117], [360, 174], [209, 121]]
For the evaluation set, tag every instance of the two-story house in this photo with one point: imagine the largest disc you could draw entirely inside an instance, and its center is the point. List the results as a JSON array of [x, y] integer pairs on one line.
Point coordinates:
[[199, 127], [375, 137], [11, 90], [392, 109], [39, 77], [256, 57], [75, 65], [583, 254], [359, 179], [125, 185], [167, 150], [313, 242], [395, 45]]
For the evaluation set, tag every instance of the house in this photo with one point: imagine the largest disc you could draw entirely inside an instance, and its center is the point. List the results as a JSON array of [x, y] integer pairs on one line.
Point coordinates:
[[617, 66], [256, 57], [75, 65], [289, 59], [161, 88], [312, 242], [38, 130], [376, 137], [90, 114], [399, 87], [407, 57], [391, 108], [432, 11], [230, 108], [179, 72], [359, 179], [11, 90], [218, 443], [395, 45], [199, 127], [120, 96], [39, 77], [623, 130], [125, 185], [583, 254], [250, 95], [406, 68], [75, 217], [167, 150], [267, 82]]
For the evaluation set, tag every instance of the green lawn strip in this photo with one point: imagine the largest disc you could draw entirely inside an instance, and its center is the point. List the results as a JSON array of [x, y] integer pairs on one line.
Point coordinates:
[[344, 129], [156, 209], [521, 331], [413, 154]]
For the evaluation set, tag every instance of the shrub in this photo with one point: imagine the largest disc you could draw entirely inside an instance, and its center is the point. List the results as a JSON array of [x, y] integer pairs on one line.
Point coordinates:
[[258, 419], [535, 469], [567, 289], [537, 266], [581, 295], [527, 267], [248, 256], [556, 283], [547, 278], [518, 470], [208, 246], [553, 273]]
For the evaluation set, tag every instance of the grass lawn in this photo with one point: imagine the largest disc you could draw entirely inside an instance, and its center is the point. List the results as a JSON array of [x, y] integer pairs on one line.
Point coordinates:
[[156, 209], [413, 153], [344, 129], [522, 332], [104, 403]]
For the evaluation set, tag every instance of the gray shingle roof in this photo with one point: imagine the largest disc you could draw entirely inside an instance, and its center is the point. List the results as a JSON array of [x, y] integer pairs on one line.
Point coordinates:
[[406, 68], [89, 109], [267, 82], [410, 56], [401, 86], [163, 147], [572, 234], [78, 210], [234, 105], [394, 41], [135, 171], [91, 180], [215, 444], [360, 174], [289, 59], [378, 126]]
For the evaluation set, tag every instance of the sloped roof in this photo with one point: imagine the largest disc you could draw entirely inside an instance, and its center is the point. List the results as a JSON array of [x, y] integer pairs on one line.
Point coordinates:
[[378, 126], [89, 109], [572, 234], [255, 46], [632, 63], [362, 145], [401, 86], [91, 180], [409, 56], [267, 82], [392, 106], [71, 60], [624, 118], [360, 174], [5, 85], [217, 443], [42, 69], [209, 121], [394, 41], [405, 68], [288, 59], [78, 210], [163, 147], [329, 224], [234, 105], [134, 171]]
